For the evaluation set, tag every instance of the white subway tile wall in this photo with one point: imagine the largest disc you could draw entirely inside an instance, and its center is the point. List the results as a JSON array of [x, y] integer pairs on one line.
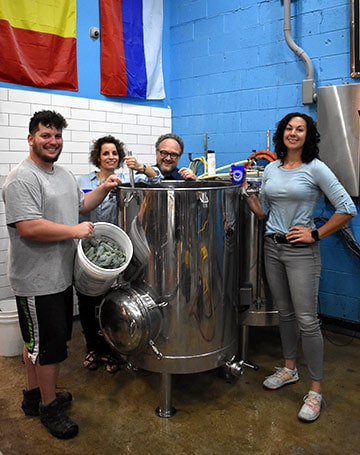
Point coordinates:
[[137, 126]]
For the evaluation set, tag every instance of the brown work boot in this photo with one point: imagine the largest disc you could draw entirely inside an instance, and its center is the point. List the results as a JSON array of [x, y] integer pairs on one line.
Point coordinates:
[[53, 417]]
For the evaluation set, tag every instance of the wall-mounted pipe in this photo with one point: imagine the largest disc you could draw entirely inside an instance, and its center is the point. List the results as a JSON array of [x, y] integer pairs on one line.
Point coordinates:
[[308, 84]]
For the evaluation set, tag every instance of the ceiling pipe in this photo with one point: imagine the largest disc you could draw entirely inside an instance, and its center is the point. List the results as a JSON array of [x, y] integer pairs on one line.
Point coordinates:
[[308, 84]]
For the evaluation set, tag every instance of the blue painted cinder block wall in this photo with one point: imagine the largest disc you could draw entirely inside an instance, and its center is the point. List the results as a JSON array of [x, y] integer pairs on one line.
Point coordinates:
[[233, 77], [230, 75]]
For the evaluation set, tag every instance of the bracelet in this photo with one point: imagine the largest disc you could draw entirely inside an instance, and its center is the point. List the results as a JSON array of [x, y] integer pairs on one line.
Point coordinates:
[[315, 235]]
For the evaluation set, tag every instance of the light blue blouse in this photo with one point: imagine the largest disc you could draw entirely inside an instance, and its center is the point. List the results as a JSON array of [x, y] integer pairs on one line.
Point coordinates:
[[290, 196], [107, 211]]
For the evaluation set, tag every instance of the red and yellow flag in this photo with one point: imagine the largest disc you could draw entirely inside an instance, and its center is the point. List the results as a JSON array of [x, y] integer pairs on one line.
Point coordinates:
[[38, 43]]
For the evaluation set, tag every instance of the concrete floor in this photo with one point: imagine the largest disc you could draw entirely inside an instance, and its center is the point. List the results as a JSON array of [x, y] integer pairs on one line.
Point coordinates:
[[116, 414]]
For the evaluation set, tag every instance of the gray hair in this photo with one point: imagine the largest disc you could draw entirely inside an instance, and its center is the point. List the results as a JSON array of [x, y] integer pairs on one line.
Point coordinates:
[[170, 136]]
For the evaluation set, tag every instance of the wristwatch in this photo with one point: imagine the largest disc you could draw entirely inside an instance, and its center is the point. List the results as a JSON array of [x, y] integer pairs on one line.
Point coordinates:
[[144, 168], [315, 235]]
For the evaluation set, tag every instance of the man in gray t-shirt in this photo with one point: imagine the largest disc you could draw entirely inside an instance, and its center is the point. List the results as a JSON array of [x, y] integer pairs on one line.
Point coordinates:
[[42, 206]]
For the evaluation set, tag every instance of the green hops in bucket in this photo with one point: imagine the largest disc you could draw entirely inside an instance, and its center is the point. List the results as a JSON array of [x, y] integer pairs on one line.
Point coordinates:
[[103, 252]]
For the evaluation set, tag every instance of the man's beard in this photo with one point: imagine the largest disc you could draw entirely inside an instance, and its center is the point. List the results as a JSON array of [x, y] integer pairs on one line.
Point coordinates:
[[43, 157], [166, 171]]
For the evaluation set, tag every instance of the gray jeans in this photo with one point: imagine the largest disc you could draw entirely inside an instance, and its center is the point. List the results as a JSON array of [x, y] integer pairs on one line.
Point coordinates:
[[293, 274]]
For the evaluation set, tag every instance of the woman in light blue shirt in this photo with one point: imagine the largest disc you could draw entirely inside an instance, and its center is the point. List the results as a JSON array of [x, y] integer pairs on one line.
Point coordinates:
[[107, 155], [290, 191]]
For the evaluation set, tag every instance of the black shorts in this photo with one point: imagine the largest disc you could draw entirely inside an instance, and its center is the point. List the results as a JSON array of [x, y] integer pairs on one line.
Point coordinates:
[[46, 325]]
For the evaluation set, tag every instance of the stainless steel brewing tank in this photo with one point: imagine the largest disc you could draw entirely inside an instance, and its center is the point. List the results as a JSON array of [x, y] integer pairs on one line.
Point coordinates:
[[185, 261], [257, 307]]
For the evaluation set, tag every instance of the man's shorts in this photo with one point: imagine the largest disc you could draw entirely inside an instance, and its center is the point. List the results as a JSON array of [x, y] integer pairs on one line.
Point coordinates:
[[46, 325]]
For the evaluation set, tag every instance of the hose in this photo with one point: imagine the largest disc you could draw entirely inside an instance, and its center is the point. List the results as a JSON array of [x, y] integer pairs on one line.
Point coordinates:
[[263, 154], [256, 155], [345, 231], [209, 177], [196, 162]]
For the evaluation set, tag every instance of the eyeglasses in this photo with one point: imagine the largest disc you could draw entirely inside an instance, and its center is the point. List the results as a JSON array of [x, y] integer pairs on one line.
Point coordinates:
[[172, 155]]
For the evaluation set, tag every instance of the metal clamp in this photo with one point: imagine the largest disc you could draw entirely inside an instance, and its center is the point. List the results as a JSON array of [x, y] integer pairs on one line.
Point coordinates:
[[158, 354], [203, 198], [128, 198]]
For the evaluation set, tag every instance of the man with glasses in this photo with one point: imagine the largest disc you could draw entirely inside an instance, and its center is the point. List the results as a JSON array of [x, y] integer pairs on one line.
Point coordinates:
[[169, 148]]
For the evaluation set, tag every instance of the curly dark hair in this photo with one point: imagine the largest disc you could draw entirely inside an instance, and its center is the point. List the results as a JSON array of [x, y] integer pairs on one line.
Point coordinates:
[[170, 136], [310, 149], [96, 149], [50, 119]]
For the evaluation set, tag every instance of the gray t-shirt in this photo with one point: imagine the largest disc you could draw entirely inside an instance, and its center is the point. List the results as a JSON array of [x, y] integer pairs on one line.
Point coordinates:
[[40, 268]]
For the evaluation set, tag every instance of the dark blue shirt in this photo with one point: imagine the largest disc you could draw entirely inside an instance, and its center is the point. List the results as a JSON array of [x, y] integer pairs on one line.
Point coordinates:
[[174, 175]]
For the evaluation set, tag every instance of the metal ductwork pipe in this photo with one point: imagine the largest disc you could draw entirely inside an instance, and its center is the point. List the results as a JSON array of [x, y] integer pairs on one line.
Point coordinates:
[[308, 84]]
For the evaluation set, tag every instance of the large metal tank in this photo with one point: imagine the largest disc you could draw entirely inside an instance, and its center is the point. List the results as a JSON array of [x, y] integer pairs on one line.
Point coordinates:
[[177, 310], [339, 128]]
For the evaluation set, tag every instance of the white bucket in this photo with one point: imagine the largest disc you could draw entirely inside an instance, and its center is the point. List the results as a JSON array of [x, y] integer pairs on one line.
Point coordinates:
[[92, 280], [11, 342]]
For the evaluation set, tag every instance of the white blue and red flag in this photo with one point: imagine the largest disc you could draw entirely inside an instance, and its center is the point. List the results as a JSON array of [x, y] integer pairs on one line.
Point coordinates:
[[131, 48]]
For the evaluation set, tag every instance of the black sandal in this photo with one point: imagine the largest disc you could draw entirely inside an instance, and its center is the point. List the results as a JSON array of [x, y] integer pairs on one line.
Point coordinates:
[[112, 364], [92, 361]]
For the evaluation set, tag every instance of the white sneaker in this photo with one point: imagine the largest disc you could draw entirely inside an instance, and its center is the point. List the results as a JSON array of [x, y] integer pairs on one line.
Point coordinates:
[[311, 408], [281, 377]]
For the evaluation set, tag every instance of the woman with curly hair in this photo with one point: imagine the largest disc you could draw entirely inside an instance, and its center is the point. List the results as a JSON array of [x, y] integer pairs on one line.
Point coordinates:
[[291, 189], [107, 154]]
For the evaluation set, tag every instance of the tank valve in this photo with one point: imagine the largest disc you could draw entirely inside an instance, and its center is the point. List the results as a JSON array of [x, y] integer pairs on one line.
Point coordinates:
[[237, 368]]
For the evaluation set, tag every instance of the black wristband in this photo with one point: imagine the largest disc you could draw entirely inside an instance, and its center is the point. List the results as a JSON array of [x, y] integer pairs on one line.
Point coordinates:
[[315, 235]]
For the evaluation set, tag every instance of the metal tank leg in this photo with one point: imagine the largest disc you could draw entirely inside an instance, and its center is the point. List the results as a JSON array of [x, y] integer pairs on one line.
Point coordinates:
[[244, 334], [165, 409]]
